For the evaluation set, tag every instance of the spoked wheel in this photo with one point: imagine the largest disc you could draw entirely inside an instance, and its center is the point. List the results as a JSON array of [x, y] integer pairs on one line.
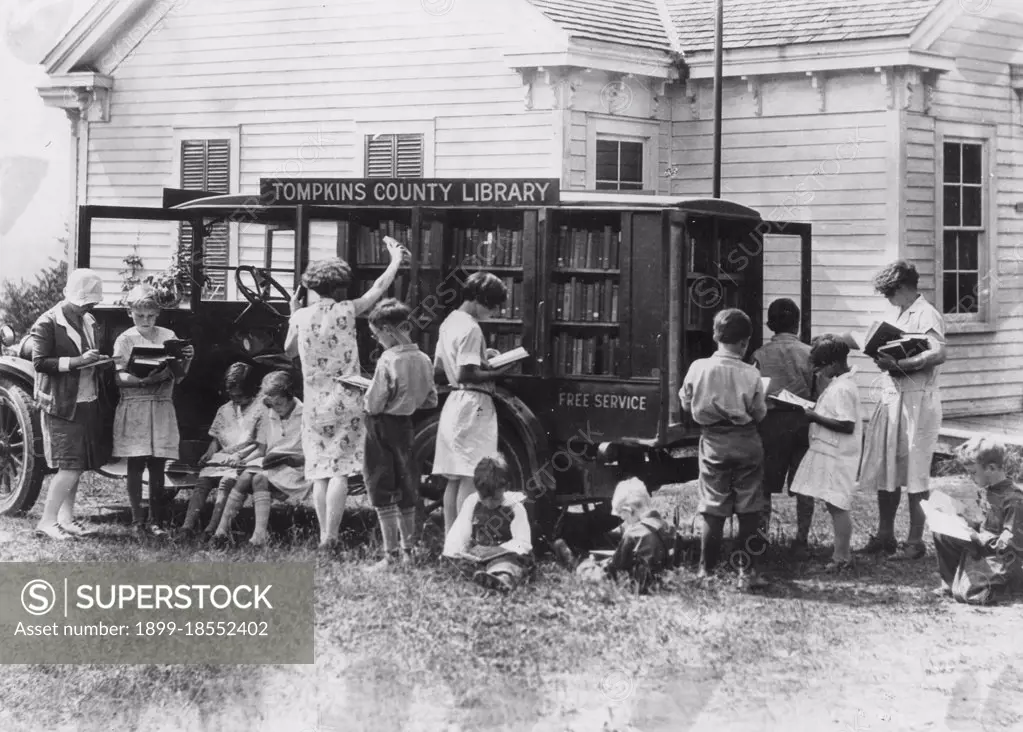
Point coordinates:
[[21, 463]]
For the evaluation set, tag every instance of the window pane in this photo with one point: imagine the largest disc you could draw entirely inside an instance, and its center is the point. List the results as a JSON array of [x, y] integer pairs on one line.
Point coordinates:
[[632, 161], [952, 169], [951, 260], [950, 297], [972, 165], [606, 186], [626, 186], [972, 206], [967, 302], [952, 206], [968, 250]]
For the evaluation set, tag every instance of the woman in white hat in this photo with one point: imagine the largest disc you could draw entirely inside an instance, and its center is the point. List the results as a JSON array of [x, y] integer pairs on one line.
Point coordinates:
[[67, 391]]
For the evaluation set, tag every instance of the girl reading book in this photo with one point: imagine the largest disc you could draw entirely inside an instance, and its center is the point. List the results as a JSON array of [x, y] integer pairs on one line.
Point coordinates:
[[280, 471], [232, 443], [828, 470], [145, 424]]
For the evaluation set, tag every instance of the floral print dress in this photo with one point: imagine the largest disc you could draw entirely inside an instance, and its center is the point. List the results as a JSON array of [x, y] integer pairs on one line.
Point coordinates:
[[333, 432]]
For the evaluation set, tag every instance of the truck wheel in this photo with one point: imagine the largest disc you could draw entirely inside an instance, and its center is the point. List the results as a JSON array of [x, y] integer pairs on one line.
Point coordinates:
[[424, 443], [21, 463]]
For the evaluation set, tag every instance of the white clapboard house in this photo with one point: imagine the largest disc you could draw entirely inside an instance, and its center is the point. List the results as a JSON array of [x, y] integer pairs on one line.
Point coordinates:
[[894, 127]]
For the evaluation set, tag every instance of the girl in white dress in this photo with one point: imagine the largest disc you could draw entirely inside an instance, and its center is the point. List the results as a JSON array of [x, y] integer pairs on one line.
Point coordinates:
[[468, 422], [828, 471], [145, 423]]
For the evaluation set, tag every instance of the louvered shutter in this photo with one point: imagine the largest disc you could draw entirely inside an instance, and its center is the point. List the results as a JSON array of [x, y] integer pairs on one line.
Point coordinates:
[[409, 157], [206, 166], [394, 156], [380, 156]]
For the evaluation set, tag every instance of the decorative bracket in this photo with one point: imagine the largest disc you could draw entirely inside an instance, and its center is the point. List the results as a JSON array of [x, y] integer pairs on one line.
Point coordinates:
[[817, 82], [887, 79], [84, 94], [693, 96], [753, 87], [658, 92], [563, 86], [929, 80], [528, 79]]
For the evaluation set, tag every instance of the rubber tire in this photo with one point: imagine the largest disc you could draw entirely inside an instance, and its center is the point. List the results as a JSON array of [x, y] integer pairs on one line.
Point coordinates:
[[16, 401], [424, 443]]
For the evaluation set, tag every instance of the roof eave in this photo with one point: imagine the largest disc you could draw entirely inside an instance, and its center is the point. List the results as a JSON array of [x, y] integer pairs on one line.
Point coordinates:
[[105, 18], [815, 57], [586, 54]]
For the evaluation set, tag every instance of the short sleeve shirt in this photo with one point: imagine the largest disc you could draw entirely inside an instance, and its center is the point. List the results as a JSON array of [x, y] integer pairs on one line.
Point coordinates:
[[923, 318], [460, 343]]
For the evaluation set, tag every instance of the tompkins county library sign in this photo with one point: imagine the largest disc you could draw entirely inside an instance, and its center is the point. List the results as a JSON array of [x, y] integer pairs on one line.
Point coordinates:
[[410, 191]]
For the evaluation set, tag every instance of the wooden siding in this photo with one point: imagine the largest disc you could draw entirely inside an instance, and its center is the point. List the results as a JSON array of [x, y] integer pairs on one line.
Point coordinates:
[[304, 83], [795, 163], [984, 373]]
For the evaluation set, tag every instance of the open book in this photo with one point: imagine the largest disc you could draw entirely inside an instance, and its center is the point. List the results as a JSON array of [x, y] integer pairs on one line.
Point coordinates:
[[883, 337], [948, 524], [515, 354], [787, 397], [484, 554], [766, 381], [356, 382], [144, 360]]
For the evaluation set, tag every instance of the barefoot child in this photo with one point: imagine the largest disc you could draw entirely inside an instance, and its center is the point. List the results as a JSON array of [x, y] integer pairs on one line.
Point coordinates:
[[145, 423], [282, 473], [726, 398], [491, 533], [828, 470], [402, 384], [468, 422], [233, 442], [987, 568], [786, 361]]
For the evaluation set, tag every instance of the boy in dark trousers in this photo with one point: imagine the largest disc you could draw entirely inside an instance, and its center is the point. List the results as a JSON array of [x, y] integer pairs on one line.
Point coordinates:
[[785, 430], [402, 383], [648, 543], [988, 567], [726, 398]]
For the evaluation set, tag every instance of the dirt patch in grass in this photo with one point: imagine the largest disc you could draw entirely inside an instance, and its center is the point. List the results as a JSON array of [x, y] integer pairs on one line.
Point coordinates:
[[425, 650]]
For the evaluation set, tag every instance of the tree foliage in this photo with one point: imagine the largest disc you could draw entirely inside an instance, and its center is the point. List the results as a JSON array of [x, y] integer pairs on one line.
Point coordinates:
[[22, 302]]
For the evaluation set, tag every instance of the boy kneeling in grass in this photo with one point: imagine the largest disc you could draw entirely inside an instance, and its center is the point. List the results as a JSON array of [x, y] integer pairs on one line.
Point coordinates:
[[491, 534], [989, 566]]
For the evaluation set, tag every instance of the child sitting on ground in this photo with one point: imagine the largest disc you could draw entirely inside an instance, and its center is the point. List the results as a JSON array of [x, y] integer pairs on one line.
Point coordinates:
[[726, 398], [232, 443], [828, 470], [648, 543], [491, 535], [987, 568], [282, 465]]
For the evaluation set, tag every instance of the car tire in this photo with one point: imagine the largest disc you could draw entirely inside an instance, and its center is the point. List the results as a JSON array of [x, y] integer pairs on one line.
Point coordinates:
[[22, 465]]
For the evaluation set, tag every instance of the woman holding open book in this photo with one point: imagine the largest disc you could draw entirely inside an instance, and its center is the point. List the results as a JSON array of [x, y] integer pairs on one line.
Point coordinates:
[[323, 336], [903, 431]]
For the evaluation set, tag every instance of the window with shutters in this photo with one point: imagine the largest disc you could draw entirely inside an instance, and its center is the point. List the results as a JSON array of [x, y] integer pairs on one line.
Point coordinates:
[[395, 156], [206, 166], [965, 278]]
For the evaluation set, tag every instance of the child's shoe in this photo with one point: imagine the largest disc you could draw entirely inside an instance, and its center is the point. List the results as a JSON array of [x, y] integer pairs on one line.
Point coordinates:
[[494, 582], [799, 550], [563, 554], [943, 591], [877, 545], [840, 566], [750, 580], [911, 552], [55, 532]]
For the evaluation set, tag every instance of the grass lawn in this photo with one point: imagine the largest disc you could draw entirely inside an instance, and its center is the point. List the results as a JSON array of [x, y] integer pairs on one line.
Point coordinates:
[[423, 650]]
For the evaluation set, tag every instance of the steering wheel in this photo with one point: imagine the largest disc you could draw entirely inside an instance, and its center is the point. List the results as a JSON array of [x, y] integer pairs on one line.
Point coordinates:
[[263, 294]]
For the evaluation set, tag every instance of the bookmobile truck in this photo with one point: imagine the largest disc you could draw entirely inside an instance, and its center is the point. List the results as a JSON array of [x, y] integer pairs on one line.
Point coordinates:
[[612, 294]]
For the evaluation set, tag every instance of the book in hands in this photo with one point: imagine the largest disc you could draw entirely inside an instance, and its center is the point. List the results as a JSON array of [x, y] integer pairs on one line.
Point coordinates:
[[356, 381], [145, 360], [484, 554], [275, 460], [787, 397], [905, 347], [947, 524], [508, 357], [99, 362], [175, 346], [766, 381]]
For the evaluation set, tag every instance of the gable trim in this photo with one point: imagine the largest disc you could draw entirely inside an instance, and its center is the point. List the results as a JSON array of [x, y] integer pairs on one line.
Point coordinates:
[[936, 22], [104, 21]]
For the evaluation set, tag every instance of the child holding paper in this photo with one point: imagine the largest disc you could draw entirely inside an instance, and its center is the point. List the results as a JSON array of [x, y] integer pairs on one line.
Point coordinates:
[[402, 384], [828, 470], [988, 567], [145, 423]]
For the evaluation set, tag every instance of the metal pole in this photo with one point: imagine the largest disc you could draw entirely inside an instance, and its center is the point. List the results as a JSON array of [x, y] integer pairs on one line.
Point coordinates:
[[719, 28]]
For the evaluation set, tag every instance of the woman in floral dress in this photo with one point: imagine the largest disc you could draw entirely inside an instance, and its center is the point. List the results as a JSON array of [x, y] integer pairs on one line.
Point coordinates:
[[323, 336]]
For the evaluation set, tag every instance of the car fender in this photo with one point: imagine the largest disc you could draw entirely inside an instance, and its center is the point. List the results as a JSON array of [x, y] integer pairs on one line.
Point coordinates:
[[19, 371]]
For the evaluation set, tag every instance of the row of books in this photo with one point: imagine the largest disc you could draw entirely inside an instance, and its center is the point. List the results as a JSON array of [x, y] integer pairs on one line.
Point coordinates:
[[503, 342], [513, 306], [369, 240], [584, 249], [587, 356], [399, 289], [586, 301], [487, 248]]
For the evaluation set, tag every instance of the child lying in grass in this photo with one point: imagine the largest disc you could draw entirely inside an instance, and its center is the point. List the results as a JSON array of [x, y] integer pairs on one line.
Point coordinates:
[[648, 545], [491, 535]]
